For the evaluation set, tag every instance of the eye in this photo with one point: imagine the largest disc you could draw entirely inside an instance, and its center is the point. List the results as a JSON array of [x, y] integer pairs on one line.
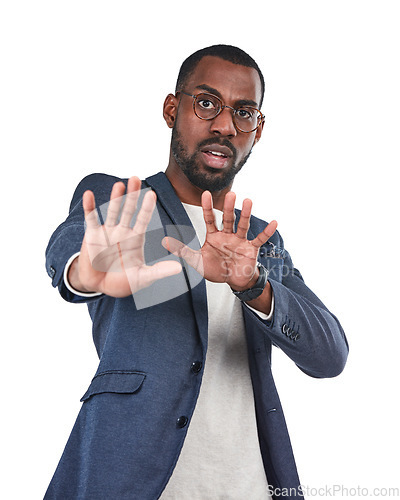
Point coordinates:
[[206, 103], [246, 113]]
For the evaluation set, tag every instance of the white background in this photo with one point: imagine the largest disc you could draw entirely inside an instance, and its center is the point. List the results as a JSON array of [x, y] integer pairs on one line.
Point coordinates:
[[74, 77]]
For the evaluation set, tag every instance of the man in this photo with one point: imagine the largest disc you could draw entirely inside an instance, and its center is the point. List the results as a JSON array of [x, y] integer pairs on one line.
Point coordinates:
[[183, 404]]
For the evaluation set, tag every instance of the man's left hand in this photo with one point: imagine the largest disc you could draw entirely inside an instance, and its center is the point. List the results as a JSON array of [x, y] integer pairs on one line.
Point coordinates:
[[226, 256]]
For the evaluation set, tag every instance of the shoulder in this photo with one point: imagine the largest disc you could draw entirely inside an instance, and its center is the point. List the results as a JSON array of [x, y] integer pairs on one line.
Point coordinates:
[[98, 181], [101, 185]]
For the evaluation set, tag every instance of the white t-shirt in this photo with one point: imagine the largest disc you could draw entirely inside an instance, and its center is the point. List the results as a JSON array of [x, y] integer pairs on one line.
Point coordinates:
[[221, 457]]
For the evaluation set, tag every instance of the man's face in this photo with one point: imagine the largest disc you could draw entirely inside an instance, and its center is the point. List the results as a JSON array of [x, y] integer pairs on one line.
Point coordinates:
[[211, 152]]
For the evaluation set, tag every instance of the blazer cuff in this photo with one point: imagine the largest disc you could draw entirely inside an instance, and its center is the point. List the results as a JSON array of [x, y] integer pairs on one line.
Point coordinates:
[[263, 316], [68, 285]]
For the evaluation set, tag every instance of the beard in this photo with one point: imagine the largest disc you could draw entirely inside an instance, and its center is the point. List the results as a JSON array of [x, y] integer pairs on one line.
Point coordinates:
[[203, 177]]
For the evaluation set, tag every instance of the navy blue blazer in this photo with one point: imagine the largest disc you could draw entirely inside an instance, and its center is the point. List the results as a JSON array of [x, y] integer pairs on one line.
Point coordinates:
[[137, 409]]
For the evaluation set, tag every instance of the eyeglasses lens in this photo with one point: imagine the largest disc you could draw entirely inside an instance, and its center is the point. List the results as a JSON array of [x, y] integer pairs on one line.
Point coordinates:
[[247, 119], [208, 107]]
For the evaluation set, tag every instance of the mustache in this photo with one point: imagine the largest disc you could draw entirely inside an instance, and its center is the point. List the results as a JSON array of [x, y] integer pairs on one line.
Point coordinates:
[[221, 142]]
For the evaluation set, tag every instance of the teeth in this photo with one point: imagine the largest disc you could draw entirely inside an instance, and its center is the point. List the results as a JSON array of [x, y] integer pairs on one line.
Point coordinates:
[[217, 153]]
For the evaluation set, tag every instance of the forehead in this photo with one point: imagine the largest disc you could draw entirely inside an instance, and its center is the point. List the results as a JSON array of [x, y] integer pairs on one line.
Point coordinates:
[[233, 81]]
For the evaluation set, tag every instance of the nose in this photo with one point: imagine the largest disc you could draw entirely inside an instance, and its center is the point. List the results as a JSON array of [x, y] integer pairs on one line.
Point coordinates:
[[223, 123]]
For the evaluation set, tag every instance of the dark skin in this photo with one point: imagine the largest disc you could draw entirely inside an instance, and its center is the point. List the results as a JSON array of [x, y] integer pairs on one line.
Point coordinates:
[[234, 83], [226, 257]]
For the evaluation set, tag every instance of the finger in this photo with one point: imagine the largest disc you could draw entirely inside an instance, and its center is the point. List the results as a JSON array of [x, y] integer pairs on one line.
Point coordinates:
[[265, 235], [229, 212], [145, 213], [131, 198], [150, 274], [114, 205], [192, 257], [89, 208], [208, 214], [162, 270], [244, 221]]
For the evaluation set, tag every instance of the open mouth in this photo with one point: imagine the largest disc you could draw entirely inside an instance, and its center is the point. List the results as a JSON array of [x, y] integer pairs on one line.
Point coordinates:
[[216, 156], [215, 153], [214, 159]]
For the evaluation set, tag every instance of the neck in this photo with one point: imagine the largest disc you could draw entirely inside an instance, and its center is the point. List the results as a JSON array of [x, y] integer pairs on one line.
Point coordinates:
[[188, 192]]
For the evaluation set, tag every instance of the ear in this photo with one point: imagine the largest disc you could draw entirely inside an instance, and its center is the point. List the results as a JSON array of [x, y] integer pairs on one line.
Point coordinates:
[[170, 109], [258, 133]]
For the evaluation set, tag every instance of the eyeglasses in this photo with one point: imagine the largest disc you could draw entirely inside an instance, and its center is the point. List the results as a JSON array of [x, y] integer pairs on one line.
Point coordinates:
[[208, 106]]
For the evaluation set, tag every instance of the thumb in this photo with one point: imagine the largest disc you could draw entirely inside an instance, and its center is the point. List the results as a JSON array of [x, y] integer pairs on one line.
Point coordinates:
[[162, 270], [192, 257]]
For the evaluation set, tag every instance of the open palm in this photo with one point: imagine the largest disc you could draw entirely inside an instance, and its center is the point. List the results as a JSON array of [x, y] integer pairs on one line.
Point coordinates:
[[226, 256], [112, 255]]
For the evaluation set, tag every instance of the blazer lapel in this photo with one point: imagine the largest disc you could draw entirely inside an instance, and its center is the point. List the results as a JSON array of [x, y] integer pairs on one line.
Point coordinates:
[[173, 207]]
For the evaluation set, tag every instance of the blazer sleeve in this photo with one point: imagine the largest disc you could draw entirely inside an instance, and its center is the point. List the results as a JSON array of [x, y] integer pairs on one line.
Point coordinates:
[[301, 324], [67, 238]]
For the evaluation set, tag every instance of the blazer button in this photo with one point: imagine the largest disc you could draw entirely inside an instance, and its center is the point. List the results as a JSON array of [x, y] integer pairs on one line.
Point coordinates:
[[182, 421], [196, 366], [52, 272]]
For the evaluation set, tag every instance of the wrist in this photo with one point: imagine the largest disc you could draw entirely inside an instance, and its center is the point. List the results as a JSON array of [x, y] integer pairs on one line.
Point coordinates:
[[254, 291], [249, 284], [73, 277]]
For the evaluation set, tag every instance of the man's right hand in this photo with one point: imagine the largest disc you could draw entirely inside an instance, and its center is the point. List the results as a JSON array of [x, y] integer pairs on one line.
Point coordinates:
[[111, 260]]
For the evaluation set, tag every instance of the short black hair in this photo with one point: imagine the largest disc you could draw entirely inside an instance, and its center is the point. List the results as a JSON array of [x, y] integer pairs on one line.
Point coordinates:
[[226, 52]]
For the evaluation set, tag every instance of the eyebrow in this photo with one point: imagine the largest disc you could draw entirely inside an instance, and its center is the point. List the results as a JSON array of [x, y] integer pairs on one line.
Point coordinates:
[[240, 102]]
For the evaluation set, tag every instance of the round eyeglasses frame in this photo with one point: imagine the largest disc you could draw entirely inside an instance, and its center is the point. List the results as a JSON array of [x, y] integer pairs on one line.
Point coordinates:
[[222, 106]]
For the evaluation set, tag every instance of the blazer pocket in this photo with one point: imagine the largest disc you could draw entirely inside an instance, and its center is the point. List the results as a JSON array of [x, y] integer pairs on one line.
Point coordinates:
[[119, 382]]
